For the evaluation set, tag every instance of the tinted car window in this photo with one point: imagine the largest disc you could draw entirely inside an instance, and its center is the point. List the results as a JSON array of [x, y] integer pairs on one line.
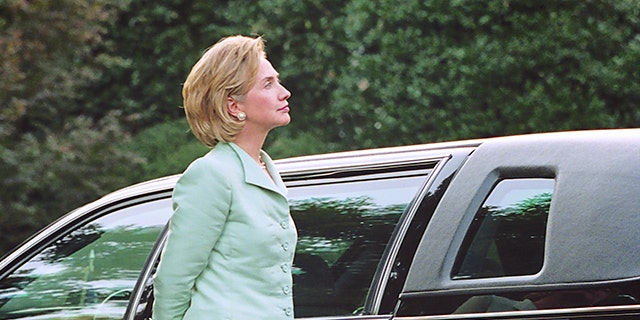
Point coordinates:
[[88, 273], [506, 238], [343, 227], [508, 232]]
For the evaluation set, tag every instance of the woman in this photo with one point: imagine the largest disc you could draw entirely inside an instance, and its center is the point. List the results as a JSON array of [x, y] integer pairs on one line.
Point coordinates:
[[232, 239]]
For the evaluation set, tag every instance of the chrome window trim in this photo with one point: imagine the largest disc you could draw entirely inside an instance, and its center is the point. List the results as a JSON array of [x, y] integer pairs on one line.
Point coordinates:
[[402, 231], [369, 167], [146, 275], [372, 171]]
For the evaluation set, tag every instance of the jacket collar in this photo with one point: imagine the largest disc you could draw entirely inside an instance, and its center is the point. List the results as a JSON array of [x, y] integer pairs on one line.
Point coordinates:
[[254, 175]]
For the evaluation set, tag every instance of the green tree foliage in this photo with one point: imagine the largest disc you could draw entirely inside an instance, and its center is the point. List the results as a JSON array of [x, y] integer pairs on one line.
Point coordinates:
[[148, 53], [168, 148], [378, 73], [46, 58], [53, 157], [45, 178], [306, 43], [363, 74], [440, 70]]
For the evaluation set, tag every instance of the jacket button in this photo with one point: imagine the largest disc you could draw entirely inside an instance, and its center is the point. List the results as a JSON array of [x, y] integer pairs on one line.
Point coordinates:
[[285, 267], [284, 224], [286, 289], [285, 246], [288, 311]]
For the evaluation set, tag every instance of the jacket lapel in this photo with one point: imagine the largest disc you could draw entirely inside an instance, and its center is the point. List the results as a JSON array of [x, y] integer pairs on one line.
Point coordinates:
[[254, 175], [275, 175]]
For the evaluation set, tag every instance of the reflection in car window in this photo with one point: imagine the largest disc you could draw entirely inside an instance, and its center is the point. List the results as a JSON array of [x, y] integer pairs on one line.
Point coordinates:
[[507, 235], [343, 228], [90, 272]]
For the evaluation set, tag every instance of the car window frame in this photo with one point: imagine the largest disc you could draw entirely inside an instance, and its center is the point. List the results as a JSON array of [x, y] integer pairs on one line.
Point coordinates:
[[422, 168], [475, 228], [391, 275]]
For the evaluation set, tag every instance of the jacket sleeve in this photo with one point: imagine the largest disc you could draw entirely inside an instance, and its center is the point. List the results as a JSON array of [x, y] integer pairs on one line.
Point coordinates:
[[201, 202]]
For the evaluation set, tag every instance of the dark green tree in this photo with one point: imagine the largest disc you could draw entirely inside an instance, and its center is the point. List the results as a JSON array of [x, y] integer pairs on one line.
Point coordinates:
[[362, 73], [53, 157], [422, 71]]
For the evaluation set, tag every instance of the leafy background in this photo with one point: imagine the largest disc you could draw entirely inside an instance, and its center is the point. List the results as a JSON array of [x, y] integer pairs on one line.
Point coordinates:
[[90, 90]]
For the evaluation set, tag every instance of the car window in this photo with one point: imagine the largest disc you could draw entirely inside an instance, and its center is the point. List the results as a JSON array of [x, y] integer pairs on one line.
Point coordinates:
[[508, 232], [506, 238], [89, 272], [343, 228]]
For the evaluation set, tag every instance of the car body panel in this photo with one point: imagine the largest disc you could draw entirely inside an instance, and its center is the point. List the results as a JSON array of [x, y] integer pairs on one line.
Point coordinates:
[[593, 217]]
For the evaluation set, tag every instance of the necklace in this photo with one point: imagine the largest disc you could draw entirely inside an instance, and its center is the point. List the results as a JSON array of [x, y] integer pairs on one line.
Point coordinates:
[[262, 164]]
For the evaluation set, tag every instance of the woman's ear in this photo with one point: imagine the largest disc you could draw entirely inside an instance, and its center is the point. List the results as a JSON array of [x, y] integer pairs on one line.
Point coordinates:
[[232, 107]]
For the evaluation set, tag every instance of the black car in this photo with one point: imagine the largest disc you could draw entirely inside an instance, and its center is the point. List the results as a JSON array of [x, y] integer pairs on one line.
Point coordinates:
[[541, 226]]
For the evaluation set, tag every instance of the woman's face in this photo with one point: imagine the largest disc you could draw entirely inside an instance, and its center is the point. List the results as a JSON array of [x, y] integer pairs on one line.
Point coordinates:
[[266, 103]]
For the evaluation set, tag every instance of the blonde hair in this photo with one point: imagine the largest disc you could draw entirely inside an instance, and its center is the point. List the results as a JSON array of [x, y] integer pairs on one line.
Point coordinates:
[[226, 69]]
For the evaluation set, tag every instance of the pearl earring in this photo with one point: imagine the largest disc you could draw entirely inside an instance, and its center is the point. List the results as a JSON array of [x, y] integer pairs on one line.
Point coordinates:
[[242, 116]]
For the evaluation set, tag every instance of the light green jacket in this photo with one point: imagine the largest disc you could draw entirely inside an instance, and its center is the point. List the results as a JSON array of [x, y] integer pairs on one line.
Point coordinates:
[[231, 242]]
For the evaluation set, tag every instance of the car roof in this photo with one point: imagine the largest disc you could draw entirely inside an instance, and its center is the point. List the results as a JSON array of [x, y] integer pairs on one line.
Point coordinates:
[[308, 163], [288, 166]]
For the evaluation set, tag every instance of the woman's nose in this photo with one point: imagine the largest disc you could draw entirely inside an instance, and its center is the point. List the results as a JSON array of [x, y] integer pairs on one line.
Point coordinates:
[[286, 94]]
